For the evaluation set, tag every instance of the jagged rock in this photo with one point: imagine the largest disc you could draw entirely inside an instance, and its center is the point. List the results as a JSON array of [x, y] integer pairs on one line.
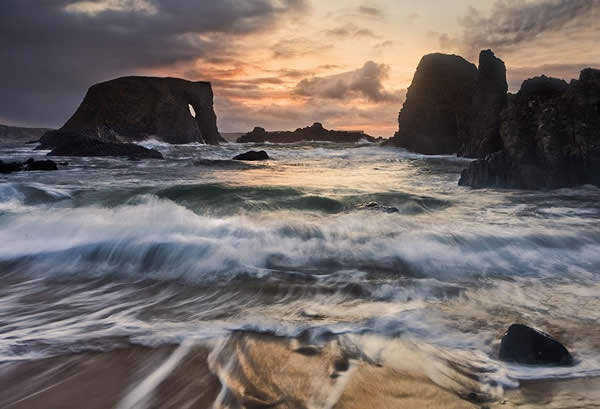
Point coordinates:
[[82, 146], [526, 345], [550, 133], [453, 107], [489, 99], [133, 109], [252, 156], [316, 132], [436, 115]]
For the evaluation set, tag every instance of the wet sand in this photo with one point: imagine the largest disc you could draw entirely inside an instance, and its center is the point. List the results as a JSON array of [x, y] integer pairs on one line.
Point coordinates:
[[250, 370]]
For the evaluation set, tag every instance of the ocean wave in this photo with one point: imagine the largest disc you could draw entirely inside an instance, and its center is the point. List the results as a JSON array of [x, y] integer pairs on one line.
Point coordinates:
[[160, 238]]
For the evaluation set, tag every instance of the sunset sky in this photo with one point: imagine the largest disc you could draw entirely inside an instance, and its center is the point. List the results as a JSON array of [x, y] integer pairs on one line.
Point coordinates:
[[279, 64]]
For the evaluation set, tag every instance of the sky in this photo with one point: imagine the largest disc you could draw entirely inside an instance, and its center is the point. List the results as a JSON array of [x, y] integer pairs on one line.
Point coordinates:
[[277, 64]]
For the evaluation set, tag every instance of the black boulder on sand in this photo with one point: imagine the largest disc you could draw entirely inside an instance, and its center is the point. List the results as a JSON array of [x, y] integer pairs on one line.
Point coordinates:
[[526, 345]]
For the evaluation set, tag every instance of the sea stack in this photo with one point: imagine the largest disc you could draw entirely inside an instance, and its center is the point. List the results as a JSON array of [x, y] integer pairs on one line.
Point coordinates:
[[133, 109], [550, 136], [453, 107]]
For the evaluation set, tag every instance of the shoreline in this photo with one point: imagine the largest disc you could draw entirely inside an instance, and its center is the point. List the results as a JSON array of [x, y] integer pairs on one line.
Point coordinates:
[[259, 371]]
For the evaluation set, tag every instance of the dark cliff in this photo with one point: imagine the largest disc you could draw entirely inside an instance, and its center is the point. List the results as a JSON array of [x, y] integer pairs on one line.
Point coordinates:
[[132, 109], [316, 132]]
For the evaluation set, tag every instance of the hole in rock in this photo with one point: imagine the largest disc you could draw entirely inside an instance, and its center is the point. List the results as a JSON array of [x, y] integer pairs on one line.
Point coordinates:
[[192, 110]]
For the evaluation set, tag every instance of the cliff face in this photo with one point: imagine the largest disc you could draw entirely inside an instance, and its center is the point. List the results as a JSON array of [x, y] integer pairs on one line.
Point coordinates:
[[132, 109], [316, 132], [453, 107], [550, 133]]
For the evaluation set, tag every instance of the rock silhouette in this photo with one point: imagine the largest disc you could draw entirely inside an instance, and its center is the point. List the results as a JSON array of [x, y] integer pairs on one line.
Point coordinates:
[[315, 132], [133, 109]]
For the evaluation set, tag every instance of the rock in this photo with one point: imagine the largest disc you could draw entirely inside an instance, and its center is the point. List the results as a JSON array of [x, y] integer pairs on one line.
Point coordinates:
[[133, 109], [31, 164], [489, 99], [453, 107], [315, 132], [252, 155], [436, 115], [379, 207], [9, 167], [528, 346], [81, 146], [550, 135]]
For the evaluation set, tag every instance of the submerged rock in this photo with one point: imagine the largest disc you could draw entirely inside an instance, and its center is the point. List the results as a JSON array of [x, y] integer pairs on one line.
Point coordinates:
[[32, 164], [379, 207], [526, 345], [29, 165], [315, 132], [252, 156]]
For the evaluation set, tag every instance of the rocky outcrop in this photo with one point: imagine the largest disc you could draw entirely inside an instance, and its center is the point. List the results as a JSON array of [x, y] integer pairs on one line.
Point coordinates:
[[526, 345], [83, 146], [453, 107], [316, 132], [252, 156], [133, 109], [29, 165], [14, 133], [550, 136]]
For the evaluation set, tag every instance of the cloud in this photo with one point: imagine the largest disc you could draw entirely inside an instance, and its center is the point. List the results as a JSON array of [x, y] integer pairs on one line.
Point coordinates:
[[298, 47], [53, 50], [514, 22], [365, 82], [350, 30], [445, 41], [370, 11]]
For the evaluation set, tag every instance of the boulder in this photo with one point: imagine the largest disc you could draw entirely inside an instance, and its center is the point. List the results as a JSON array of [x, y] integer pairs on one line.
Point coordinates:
[[29, 165], [32, 164], [525, 345], [315, 132], [9, 167], [252, 156], [133, 109], [550, 135]]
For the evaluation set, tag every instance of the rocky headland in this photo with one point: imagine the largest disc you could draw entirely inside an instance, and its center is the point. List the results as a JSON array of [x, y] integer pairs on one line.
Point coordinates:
[[545, 136], [313, 133], [117, 113], [19, 134]]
